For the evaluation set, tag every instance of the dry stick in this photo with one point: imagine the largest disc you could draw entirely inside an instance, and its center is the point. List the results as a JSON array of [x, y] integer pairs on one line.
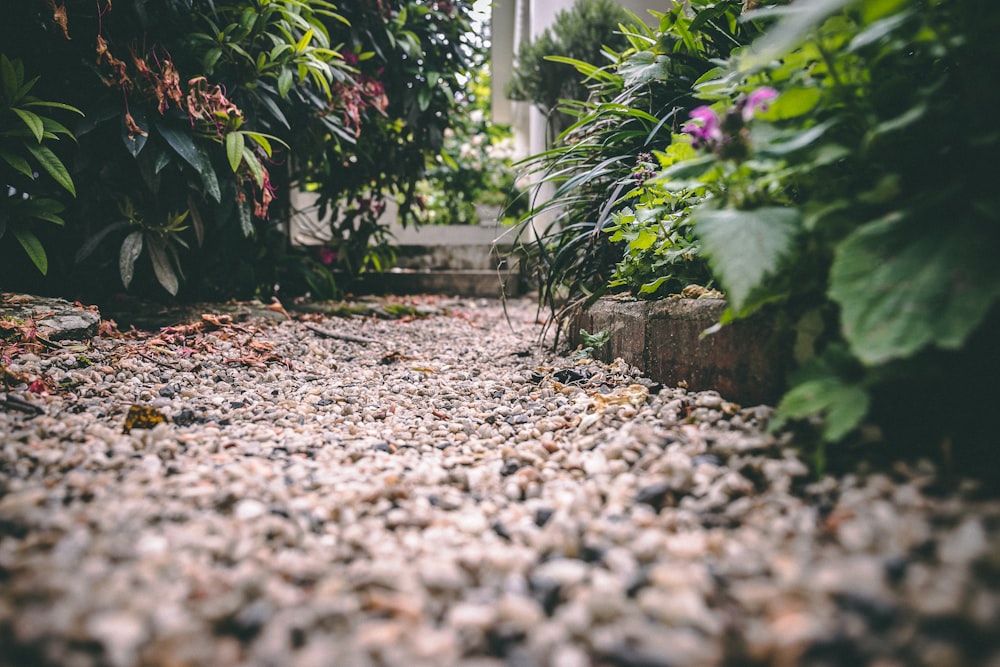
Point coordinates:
[[326, 333]]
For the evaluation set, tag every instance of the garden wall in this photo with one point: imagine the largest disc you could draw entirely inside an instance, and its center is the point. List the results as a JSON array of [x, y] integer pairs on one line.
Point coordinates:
[[745, 361]]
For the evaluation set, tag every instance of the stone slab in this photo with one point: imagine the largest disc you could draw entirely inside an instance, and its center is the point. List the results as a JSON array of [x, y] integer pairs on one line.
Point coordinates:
[[745, 361], [465, 283], [55, 319]]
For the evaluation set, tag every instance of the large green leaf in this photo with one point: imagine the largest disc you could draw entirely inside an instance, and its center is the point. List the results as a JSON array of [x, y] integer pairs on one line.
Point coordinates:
[[33, 121], [165, 273], [33, 247], [17, 162], [130, 251], [643, 67], [744, 247], [234, 149], [53, 165], [194, 155], [902, 287], [842, 405]]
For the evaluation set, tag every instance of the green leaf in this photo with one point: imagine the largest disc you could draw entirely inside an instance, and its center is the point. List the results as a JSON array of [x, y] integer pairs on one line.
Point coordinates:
[[9, 78], [745, 247], [643, 67], [902, 288], [285, 81], [129, 253], [53, 165], [33, 121], [33, 247], [165, 273], [92, 242], [792, 102], [246, 220], [18, 163], [261, 140], [194, 155], [797, 21], [253, 164], [210, 59], [53, 105], [842, 405], [234, 149]]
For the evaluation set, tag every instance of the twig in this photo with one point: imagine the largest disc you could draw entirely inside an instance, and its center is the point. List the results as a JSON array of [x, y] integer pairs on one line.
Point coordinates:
[[160, 362], [15, 403], [326, 333]]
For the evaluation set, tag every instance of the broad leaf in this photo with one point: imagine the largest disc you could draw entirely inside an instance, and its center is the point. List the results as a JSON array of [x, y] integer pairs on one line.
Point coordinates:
[[33, 121], [53, 165], [246, 220], [643, 67], [195, 156], [253, 164], [92, 242], [18, 163], [234, 149], [902, 288], [842, 405], [165, 273], [744, 247], [129, 253], [33, 247]]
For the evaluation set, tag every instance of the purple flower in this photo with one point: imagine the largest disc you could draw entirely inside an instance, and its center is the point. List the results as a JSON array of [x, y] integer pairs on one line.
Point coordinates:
[[758, 101], [704, 128]]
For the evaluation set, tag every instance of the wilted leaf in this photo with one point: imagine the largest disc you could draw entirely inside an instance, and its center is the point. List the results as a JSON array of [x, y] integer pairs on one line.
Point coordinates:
[[142, 416]]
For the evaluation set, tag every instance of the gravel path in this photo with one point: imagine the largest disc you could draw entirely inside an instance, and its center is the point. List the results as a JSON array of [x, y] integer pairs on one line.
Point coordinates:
[[436, 489]]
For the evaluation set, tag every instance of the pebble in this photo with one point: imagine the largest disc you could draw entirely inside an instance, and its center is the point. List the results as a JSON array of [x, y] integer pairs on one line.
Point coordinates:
[[441, 497]]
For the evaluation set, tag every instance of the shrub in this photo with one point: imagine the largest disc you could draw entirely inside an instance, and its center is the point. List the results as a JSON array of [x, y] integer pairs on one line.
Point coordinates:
[[27, 133], [581, 33], [841, 178], [195, 109], [633, 105]]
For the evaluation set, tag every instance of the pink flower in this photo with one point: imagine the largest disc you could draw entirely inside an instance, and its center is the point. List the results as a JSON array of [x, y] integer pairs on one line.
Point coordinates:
[[704, 127], [327, 256], [758, 101]]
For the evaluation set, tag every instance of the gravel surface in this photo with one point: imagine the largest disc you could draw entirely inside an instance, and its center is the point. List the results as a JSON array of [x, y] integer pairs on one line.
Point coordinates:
[[428, 486]]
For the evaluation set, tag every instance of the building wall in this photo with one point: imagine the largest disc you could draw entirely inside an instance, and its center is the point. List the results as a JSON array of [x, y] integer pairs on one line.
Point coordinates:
[[514, 22]]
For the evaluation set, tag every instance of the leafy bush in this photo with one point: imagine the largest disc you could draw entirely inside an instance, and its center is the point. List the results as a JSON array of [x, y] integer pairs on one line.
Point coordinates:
[[581, 33], [200, 113], [26, 136], [842, 178], [633, 105], [893, 233], [419, 54]]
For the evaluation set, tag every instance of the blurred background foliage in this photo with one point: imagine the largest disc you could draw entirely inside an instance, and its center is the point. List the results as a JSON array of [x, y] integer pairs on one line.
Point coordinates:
[[198, 118]]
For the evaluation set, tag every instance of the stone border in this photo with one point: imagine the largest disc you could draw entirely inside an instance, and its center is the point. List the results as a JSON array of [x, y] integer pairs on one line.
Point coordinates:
[[745, 362]]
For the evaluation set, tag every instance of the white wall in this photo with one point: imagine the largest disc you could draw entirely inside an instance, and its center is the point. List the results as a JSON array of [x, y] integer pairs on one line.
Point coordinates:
[[517, 21]]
